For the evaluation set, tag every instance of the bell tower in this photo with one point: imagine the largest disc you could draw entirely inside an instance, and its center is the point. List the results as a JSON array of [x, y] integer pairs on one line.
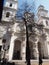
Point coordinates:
[[43, 17], [9, 10], [42, 11]]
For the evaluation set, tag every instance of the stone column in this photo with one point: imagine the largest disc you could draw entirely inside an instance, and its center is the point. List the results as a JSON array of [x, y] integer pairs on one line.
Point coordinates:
[[48, 48], [11, 47], [45, 49], [36, 53], [23, 50]]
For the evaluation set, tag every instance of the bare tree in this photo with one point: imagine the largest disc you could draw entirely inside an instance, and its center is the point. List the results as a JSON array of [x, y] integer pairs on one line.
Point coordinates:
[[25, 7]]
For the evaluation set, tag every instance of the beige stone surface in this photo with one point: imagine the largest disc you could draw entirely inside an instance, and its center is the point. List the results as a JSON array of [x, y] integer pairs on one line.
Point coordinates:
[[33, 62], [46, 63]]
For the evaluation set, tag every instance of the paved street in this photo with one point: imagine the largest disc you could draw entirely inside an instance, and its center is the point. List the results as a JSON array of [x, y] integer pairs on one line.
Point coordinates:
[[45, 62], [33, 62]]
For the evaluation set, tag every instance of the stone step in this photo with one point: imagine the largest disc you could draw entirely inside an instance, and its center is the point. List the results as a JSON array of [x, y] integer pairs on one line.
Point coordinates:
[[33, 62], [19, 62]]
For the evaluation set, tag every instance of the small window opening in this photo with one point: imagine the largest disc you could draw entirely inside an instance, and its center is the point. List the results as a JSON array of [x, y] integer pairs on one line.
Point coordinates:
[[7, 14], [4, 41], [10, 4]]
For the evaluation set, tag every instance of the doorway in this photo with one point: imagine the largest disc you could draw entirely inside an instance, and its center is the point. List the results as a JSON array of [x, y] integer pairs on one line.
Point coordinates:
[[31, 45], [40, 49], [17, 50]]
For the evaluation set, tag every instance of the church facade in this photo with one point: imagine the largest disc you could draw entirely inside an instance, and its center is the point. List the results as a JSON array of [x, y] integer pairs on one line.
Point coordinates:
[[13, 34]]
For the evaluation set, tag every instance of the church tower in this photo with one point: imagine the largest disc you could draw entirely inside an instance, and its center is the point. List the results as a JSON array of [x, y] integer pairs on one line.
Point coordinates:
[[42, 11], [43, 16], [9, 10], [43, 19]]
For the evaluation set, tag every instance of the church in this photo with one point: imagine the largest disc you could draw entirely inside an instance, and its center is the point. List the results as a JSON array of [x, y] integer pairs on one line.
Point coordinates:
[[13, 35]]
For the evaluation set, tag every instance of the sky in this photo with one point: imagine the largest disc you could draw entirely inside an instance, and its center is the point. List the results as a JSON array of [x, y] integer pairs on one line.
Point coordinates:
[[37, 3], [43, 2]]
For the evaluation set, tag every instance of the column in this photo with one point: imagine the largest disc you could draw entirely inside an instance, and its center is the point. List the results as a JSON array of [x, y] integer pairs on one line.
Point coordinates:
[[45, 49], [23, 50], [36, 53], [35, 47], [11, 47]]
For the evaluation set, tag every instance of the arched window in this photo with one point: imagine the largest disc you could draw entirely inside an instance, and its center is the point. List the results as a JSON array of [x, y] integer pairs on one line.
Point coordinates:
[[10, 4], [7, 14], [17, 50]]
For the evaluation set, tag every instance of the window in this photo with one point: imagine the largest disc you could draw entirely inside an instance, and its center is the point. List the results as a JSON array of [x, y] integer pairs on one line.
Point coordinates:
[[10, 4], [4, 41], [7, 14], [46, 22]]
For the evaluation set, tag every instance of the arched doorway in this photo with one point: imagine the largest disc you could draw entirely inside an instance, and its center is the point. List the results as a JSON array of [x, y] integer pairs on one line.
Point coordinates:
[[40, 49], [17, 50], [32, 50]]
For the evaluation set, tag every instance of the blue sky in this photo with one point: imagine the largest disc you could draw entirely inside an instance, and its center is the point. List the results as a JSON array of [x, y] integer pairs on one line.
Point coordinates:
[[43, 2], [37, 3]]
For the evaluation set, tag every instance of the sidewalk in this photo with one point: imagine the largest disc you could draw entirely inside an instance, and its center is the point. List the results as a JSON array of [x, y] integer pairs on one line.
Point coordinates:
[[33, 62]]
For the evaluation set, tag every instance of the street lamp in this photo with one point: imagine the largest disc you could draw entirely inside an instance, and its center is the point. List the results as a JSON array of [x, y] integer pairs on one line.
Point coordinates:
[[26, 20], [27, 39]]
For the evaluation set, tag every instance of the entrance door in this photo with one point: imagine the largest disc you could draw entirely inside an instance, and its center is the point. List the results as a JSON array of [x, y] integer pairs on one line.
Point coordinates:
[[40, 49], [17, 50], [31, 50]]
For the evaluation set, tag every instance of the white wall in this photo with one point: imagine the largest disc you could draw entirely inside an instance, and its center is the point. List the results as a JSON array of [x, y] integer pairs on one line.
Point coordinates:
[[14, 4]]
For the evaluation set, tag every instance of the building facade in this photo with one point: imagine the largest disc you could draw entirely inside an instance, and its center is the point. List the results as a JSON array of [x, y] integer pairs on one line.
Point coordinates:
[[13, 34]]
